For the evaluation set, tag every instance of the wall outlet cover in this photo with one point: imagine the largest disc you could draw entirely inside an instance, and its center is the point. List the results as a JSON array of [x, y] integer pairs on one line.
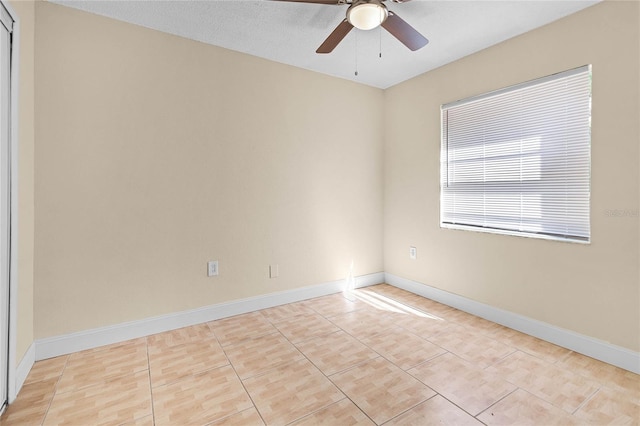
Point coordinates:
[[413, 253], [212, 268]]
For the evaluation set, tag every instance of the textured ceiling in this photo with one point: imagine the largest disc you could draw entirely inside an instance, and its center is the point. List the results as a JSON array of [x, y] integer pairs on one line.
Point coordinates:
[[291, 32]]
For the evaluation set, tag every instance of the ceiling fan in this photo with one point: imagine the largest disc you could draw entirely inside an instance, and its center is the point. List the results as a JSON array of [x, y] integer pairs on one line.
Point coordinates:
[[366, 15]]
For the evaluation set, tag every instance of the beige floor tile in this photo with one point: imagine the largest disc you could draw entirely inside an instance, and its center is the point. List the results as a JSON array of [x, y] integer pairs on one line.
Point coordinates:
[[200, 399], [610, 407], [382, 302], [500, 333], [476, 348], [158, 342], [176, 362], [248, 417], [287, 312], [116, 401], [428, 306], [113, 346], [402, 348], [381, 389], [343, 335], [143, 421], [462, 383], [507, 336], [536, 347], [606, 374], [556, 385], [525, 343], [362, 322], [415, 301], [392, 292], [482, 325], [305, 327], [342, 413], [238, 328], [521, 341], [95, 366], [434, 411], [522, 408], [334, 304], [289, 392], [31, 404], [410, 305], [461, 317], [335, 352], [425, 327], [254, 356], [47, 369]]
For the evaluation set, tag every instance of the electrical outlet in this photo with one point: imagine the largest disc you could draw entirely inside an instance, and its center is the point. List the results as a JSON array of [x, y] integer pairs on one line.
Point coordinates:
[[413, 253], [212, 268]]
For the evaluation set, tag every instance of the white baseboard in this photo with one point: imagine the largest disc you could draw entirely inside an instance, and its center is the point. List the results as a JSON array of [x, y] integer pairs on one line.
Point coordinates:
[[594, 348], [22, 371], [88, 339], [69, 343]]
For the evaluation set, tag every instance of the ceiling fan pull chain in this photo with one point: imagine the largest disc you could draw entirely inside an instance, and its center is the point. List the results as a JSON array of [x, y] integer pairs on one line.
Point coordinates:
[[356, 43], [380, 33]]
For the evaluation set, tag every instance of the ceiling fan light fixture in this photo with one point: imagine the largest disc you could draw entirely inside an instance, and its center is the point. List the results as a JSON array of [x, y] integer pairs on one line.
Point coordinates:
[[367, 15]]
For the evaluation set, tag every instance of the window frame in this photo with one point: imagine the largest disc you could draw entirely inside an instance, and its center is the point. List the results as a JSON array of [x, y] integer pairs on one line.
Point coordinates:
[[444, 162]]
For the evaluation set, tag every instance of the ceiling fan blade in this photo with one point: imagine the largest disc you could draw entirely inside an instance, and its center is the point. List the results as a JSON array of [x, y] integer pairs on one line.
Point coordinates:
[[335, 37], [404, 32], [316, 1]]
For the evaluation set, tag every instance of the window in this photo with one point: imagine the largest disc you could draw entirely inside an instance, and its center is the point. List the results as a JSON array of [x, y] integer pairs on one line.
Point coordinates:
[[517, 161]]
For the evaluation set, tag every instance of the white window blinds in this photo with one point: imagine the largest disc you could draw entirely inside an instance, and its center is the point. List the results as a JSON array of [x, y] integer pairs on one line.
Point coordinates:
[[517, 160]]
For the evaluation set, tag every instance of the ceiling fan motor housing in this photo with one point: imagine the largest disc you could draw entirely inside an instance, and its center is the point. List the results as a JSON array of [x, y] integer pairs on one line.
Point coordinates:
[[367, 14]]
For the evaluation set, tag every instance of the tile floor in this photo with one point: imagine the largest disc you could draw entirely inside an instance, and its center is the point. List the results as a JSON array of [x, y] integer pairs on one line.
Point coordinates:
[[379, 355]]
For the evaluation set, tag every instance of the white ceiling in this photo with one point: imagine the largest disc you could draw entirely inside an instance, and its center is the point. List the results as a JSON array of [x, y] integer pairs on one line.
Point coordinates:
[[291, 32]]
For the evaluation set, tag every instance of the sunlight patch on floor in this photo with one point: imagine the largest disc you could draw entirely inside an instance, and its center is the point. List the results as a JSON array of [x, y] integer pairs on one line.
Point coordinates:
[[385, 303]]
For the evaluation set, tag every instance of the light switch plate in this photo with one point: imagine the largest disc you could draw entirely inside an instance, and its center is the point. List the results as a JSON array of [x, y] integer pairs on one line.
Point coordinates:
[[273, 271]]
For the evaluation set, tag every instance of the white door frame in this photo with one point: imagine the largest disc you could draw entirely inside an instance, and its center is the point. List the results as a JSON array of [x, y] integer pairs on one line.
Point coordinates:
[[13, 200]]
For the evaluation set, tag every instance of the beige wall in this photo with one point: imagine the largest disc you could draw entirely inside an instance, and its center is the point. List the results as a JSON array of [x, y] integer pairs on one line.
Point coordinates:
[[591, 289], [156, 154], [26, 14]]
